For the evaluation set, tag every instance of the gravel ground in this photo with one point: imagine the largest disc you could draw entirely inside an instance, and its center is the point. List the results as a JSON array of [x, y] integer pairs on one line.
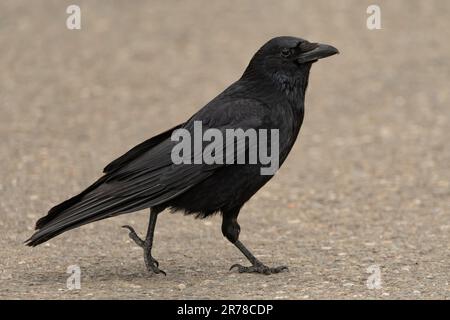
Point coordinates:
[[367, 183]]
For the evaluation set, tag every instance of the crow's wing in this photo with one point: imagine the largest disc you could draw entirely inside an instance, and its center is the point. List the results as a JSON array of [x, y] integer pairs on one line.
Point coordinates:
[[139, 149], [108, 170], [149, 178]]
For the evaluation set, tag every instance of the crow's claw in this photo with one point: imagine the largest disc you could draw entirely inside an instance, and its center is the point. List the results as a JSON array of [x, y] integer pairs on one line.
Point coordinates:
[[259, 268], [151, 263], [133, 236]]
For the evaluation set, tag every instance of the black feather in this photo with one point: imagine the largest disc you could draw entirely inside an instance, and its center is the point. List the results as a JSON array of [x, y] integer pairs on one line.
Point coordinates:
[[139, 149], [269, 95]]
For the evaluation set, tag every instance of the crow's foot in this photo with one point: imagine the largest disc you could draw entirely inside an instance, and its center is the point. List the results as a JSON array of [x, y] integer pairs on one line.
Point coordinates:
[[151, 263], [259, 268]]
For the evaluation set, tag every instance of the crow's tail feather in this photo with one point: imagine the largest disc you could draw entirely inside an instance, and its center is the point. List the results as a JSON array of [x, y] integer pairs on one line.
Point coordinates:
[[86, 207]]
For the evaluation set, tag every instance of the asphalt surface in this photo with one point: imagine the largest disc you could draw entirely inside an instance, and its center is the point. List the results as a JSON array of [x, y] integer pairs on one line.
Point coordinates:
[[367, 185]]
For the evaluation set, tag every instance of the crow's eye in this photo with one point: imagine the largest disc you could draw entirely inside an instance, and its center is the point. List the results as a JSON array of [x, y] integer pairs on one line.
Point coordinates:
[[285, 52]]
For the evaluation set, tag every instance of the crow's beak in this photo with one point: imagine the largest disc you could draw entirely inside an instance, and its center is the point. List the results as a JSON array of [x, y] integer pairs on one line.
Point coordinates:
[[320, 52]]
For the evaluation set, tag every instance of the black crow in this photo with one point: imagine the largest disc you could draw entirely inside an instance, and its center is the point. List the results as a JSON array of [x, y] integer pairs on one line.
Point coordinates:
[[269, 95]]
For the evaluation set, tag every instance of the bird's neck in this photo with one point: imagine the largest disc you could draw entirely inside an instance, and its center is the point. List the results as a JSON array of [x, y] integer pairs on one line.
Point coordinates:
[[292, 87]]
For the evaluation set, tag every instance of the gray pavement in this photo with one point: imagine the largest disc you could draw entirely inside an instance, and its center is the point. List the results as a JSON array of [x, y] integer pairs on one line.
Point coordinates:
[[367, 184]]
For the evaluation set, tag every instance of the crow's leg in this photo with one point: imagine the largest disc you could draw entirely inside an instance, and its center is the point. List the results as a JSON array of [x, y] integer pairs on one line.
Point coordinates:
[[231, 230], [151, 263]]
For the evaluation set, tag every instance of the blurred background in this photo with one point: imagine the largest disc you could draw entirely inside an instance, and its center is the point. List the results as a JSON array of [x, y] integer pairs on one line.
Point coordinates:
[[367, 183]]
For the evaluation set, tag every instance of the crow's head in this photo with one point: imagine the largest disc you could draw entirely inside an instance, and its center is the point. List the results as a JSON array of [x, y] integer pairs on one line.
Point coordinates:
[[287, 58]]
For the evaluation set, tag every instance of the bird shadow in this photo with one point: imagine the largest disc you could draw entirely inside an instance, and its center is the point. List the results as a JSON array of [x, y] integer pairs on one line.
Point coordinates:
[[96, 273]]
